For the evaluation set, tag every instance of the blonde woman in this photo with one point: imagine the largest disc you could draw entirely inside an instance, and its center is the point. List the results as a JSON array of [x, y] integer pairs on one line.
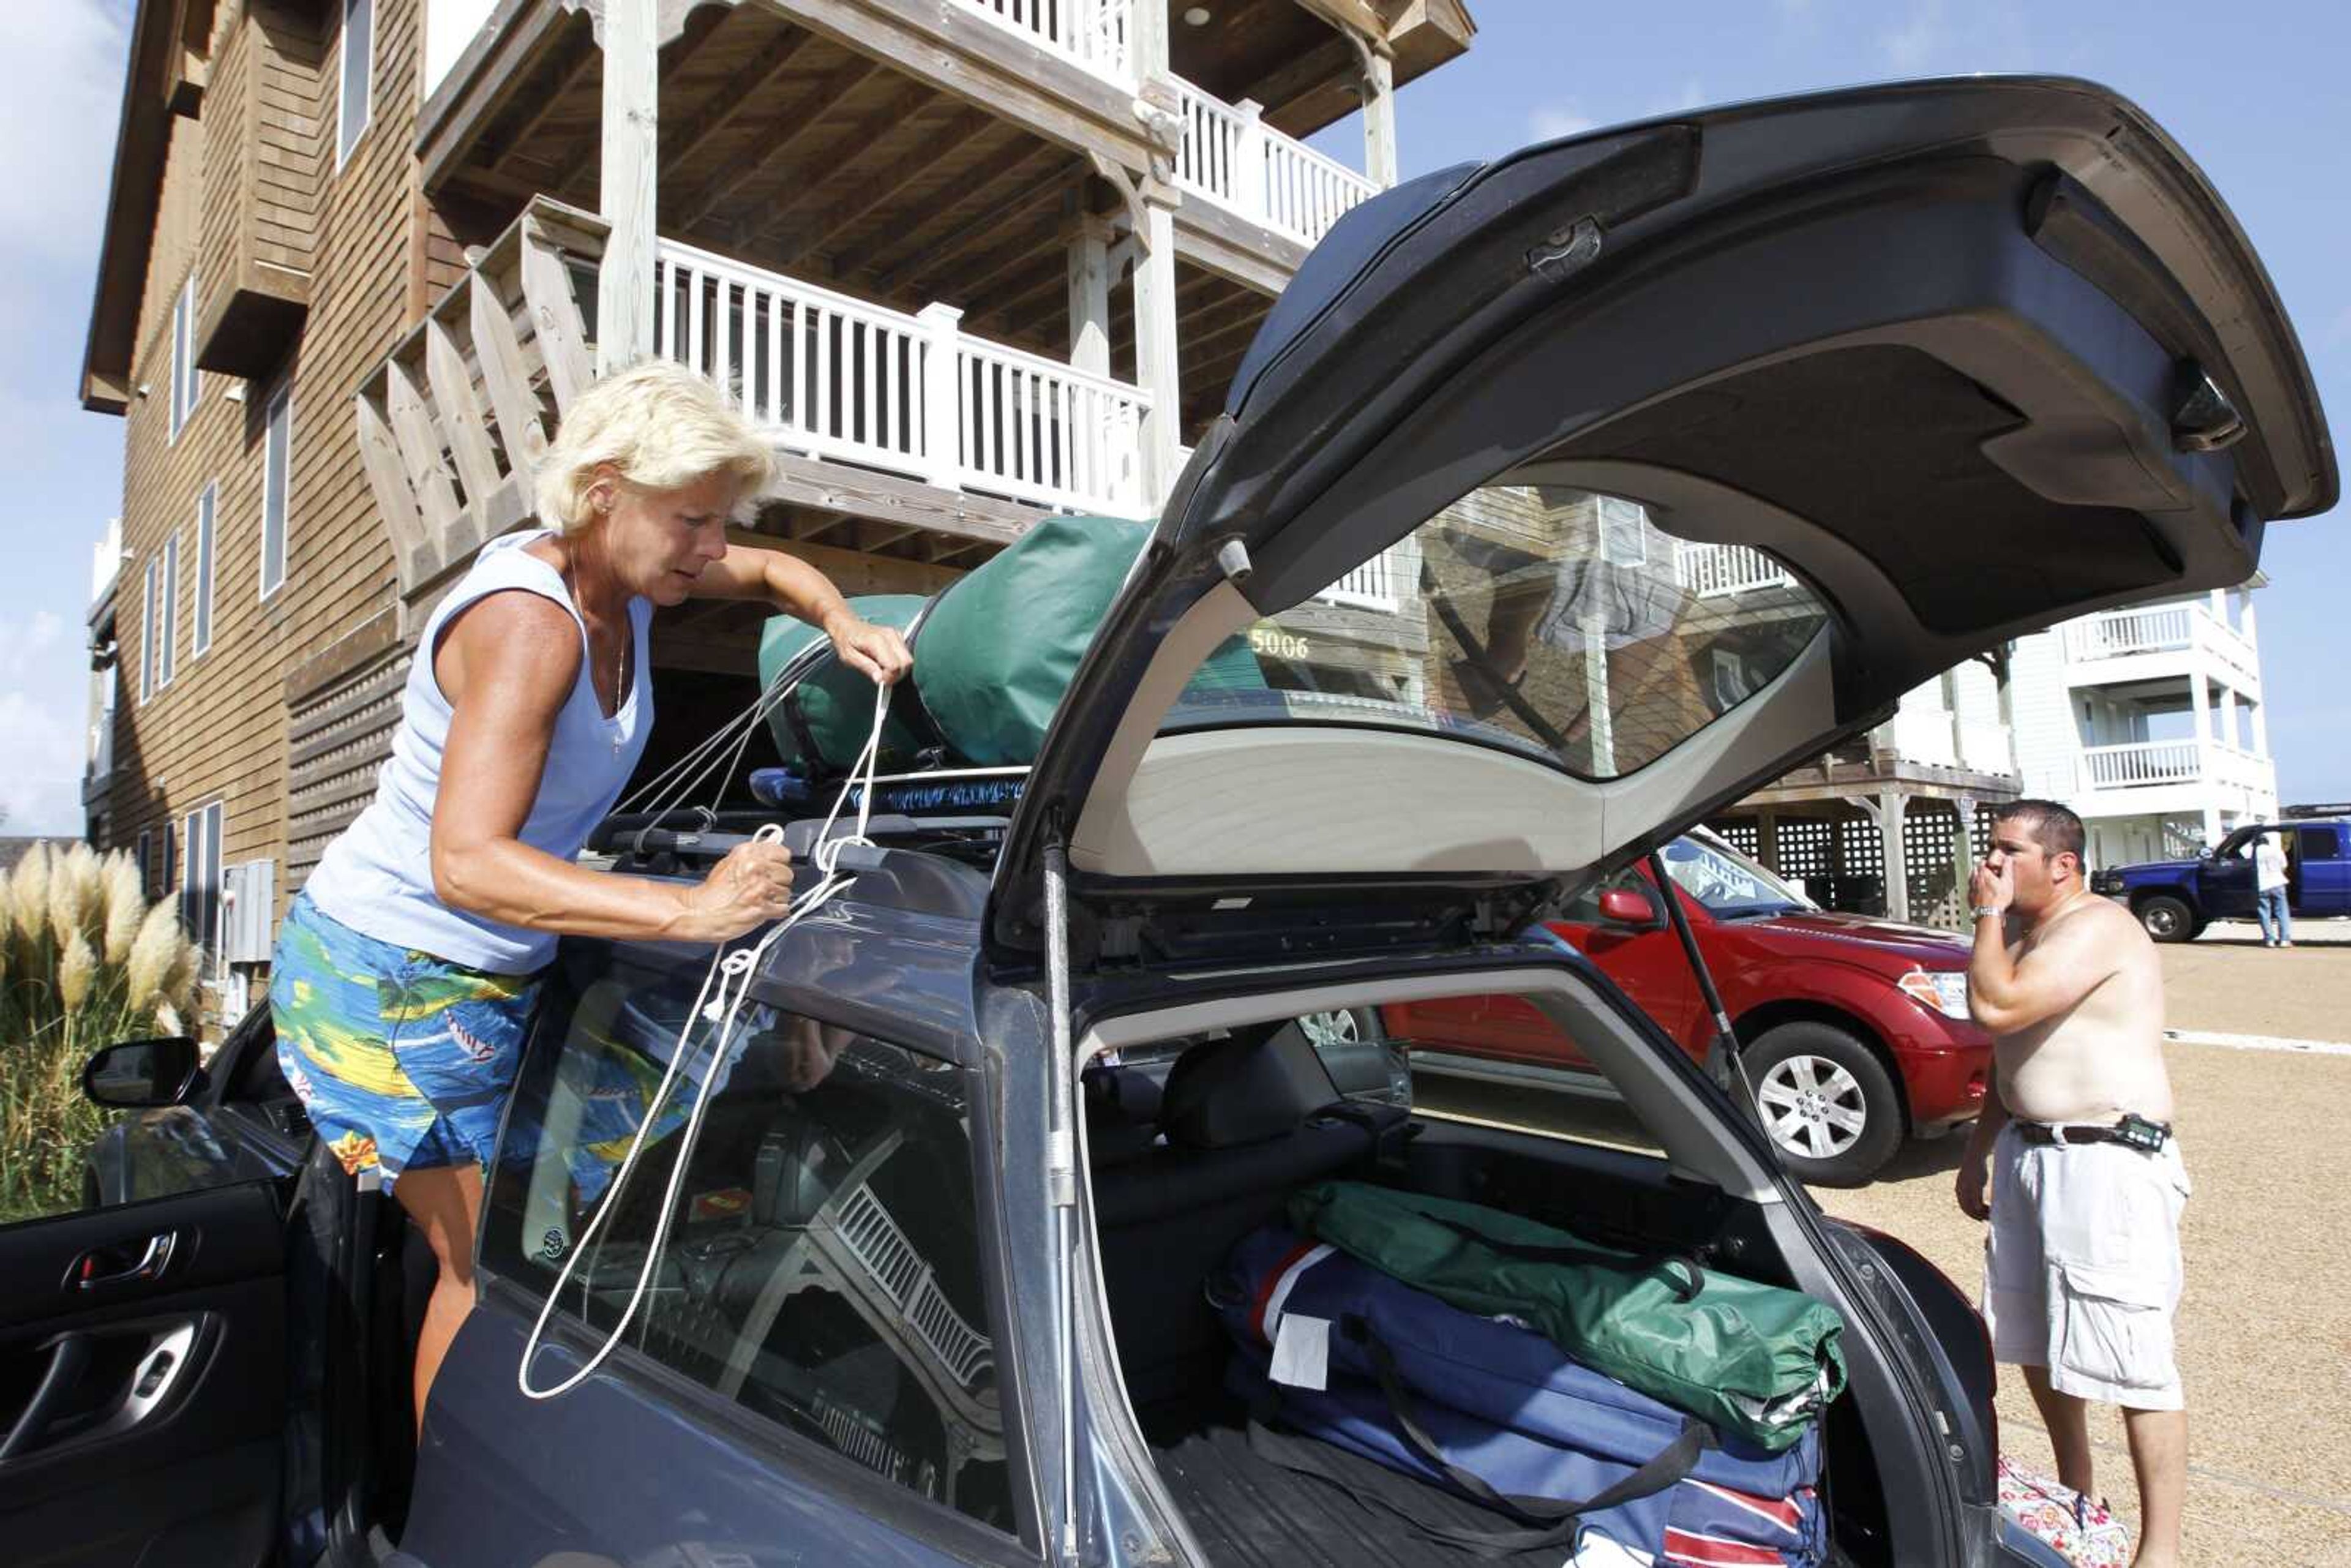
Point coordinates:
[[405, 972]]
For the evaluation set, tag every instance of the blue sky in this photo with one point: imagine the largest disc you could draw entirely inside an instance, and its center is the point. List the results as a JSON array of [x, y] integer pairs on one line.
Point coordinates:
[[2254, 91]]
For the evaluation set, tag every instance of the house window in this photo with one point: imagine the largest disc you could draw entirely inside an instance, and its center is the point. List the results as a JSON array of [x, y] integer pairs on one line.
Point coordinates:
[[147, 861], [168, 634], [358, 63], [148, 628], [200, 888], [1624, 527], [200, 637], [275, 456], [185, 383]]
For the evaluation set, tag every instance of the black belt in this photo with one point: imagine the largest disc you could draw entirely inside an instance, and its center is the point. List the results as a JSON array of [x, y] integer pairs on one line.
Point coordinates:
[[2147, 1136]]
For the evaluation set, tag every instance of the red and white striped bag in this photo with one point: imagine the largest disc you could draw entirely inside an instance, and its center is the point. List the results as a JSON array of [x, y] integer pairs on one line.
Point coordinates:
[[2083, 1531]]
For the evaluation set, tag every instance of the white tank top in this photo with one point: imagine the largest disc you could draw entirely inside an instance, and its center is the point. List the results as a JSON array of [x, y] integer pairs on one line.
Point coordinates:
[[376, 877]]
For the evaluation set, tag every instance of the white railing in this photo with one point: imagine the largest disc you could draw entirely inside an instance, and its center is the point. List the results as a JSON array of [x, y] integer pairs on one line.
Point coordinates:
[[105, 560], [1232, 157], [848, 381], [1710, 570], [2142, 762], [892, 1263], [2117, 632], [1095, 34], [1306, 191], [1038, 430]]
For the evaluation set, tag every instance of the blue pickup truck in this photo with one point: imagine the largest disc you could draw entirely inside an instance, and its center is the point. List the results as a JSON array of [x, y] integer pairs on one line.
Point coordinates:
[[2175, 900]]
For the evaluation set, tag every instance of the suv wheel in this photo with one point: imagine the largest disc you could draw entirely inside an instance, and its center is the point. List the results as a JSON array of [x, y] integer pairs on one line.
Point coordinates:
[[2167, 919], [1828, 1103]]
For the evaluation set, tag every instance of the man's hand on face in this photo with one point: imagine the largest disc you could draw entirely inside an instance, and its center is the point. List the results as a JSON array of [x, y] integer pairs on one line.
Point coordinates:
[[1991, 887]]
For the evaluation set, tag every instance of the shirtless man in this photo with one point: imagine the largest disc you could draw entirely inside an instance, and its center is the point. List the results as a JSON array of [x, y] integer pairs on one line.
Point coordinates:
[[2081, 1274]]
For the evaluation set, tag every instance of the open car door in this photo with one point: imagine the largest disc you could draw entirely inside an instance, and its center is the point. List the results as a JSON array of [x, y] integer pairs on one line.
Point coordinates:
[[1588, 489], [142, 1378]]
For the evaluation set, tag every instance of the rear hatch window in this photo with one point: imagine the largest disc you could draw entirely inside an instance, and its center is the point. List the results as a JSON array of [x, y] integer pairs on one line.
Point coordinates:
[[1587, 630]]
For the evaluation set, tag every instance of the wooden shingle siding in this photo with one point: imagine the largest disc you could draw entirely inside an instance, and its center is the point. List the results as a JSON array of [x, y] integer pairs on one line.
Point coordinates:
[[221, 731]]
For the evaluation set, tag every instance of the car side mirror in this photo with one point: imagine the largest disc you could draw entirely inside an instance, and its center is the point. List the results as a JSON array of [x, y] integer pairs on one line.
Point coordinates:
[[1629, 906], [141, 1074]]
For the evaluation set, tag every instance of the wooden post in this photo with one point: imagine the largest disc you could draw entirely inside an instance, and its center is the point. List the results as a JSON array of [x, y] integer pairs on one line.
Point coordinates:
[[1600, 718], [1379, 119], [1155, 342], [1249, 161], [942, 399], [625, 283], [1146, 39], [1090, 275], [1963, 854], [1890, 812]]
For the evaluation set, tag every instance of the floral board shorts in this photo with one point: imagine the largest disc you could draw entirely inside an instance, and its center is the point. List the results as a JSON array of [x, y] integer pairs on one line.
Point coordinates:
[[2082, 1270], [403, 1060]]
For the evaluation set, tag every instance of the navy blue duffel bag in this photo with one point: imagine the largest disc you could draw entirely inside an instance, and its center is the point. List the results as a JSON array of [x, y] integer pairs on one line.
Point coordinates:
[[1496, 1413]]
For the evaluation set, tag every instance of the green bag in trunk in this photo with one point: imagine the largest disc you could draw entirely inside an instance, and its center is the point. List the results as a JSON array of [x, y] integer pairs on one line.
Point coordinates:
[[993, 655], [1752, 1359]]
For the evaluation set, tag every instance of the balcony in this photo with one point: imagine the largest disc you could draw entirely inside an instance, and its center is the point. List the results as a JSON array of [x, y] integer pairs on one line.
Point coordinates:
[[846, 381], [1096, 35], [2158, 641], [936, 440], [1713, 571], [2168, 776], [1228, 154]]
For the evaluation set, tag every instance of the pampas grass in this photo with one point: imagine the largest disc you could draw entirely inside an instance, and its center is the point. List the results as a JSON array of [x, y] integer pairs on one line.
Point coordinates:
[[88, 962], [125, 897]]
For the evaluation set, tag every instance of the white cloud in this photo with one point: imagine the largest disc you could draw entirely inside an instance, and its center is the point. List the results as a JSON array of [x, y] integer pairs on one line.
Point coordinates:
[[57, 141], [40, 789], [1919, 39], [1554, 121]]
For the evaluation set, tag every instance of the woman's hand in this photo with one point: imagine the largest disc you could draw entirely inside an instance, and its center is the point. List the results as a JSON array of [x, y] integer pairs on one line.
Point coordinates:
[[750, 887], [876, 651]]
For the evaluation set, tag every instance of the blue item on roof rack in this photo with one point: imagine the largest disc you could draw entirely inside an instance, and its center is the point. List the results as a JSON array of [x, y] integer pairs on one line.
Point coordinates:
[[782, 786]]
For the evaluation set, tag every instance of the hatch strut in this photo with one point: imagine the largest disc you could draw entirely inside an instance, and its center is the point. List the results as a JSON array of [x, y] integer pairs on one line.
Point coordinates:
[[1722, 1063], [1061, 1170]]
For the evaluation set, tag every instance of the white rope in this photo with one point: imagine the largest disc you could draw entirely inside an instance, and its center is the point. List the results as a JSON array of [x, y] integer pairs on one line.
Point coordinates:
[[731, 973]]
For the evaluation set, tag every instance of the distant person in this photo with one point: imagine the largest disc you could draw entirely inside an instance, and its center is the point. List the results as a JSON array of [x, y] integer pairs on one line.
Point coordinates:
[[2085, 1184], [2269, 892]]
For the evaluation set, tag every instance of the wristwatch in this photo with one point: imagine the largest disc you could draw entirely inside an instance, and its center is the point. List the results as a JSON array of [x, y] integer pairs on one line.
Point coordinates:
[[1980, 910]]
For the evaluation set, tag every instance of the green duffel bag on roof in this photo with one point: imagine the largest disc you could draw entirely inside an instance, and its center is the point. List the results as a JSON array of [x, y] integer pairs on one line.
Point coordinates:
[[1753, 1359], [822, 721], [994, 654]]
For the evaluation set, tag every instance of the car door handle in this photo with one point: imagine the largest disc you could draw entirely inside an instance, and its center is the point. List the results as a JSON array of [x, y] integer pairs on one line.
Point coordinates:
[[68, 1359], [103, 1266]]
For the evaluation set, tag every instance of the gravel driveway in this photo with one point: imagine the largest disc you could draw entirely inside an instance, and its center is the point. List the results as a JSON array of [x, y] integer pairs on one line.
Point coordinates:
[[2265, 1327]]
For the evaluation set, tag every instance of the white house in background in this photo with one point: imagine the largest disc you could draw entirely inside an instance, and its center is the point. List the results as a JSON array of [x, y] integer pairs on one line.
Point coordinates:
[[2148, 722], [98, 755]]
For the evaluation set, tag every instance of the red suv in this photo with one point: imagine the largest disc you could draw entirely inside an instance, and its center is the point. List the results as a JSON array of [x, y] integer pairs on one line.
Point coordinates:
[[1855, 1030]]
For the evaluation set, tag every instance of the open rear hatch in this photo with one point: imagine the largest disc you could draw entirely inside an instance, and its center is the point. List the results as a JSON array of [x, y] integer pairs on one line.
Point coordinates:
[[1566, 497]]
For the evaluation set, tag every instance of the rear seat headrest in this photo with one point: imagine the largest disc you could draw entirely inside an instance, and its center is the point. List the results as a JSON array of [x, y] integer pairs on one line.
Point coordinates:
[[1245, 1090]]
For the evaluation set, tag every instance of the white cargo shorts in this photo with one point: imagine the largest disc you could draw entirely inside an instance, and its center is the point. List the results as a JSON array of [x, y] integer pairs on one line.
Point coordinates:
[[2082, 1273]]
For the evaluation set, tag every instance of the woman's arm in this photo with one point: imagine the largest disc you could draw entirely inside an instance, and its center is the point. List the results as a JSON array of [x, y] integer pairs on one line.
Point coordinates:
[[507, 666], [800, 589]]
